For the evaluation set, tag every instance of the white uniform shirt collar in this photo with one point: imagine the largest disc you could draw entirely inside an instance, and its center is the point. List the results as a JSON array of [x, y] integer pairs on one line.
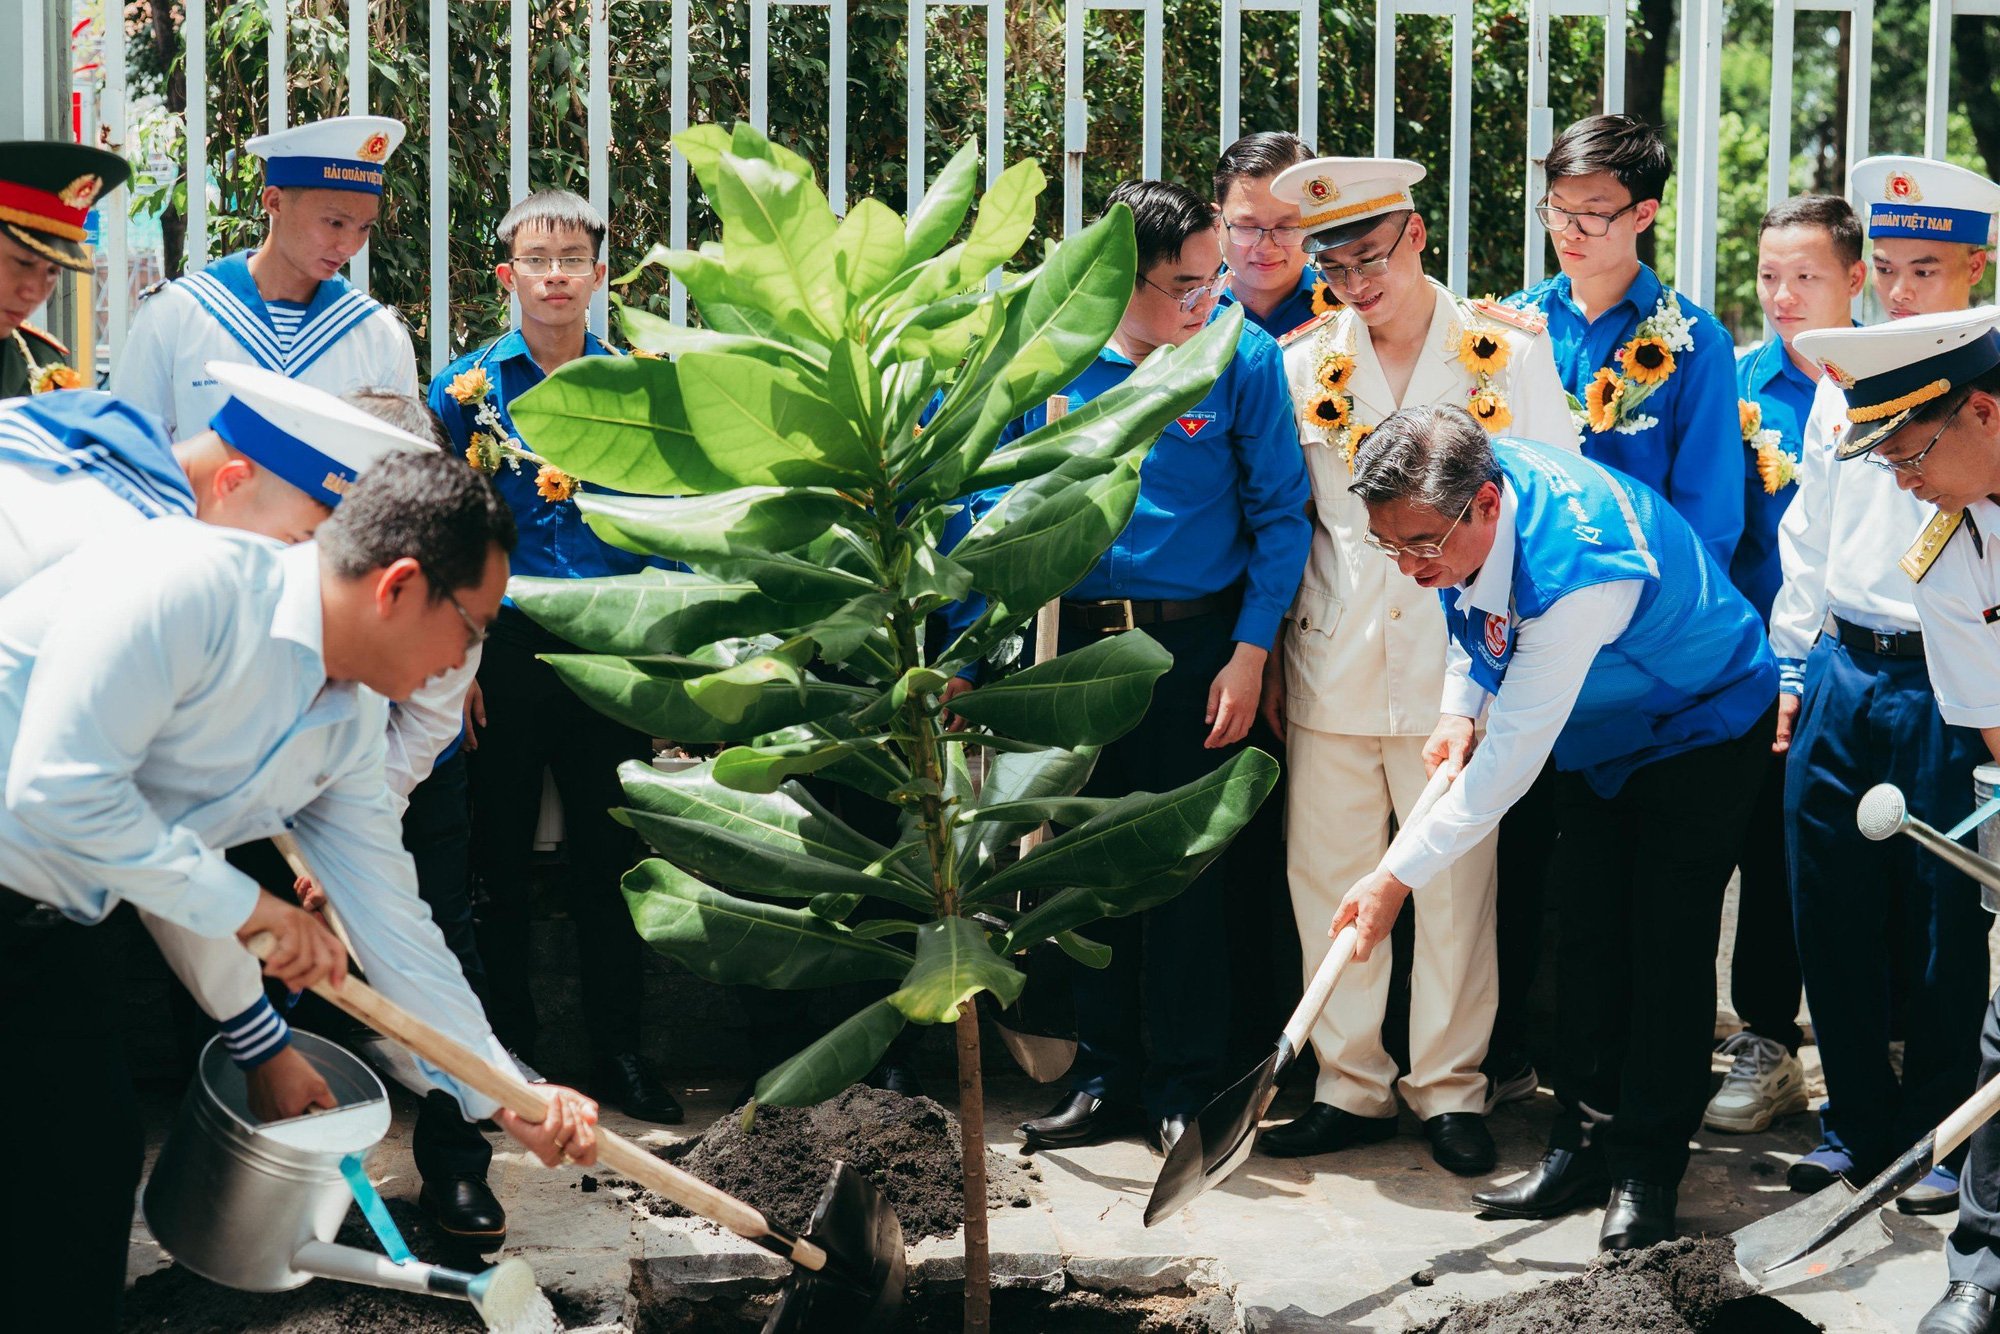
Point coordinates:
[[298, 615], [1491, 589]]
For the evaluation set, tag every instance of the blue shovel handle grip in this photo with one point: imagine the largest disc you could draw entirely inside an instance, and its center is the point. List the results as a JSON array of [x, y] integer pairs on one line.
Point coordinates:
[[373, 1209]]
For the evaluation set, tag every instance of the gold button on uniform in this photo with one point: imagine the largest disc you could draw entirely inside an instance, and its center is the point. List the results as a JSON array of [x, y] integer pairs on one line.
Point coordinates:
[[1395, 613]]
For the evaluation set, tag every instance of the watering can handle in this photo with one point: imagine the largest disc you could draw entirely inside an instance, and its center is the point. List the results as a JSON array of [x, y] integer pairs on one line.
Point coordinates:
[[507, 1088]]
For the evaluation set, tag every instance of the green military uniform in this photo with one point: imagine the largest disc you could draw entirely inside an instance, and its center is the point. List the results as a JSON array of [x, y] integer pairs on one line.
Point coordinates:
[[46, 191]]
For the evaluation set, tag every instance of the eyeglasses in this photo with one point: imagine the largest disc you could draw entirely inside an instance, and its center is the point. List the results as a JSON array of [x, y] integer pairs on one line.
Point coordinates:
[[539, 266], [1913, 466], [1211, 290], [1418, 550], [1346, 275], [475, 634], [1249, 237], [1558, 220]]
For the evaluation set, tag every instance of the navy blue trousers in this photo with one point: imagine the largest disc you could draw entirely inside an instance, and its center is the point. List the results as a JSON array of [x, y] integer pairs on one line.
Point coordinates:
[[1884, 929]]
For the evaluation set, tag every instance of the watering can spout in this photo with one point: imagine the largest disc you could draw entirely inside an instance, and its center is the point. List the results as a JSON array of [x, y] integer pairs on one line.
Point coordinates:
[[500, 1295]]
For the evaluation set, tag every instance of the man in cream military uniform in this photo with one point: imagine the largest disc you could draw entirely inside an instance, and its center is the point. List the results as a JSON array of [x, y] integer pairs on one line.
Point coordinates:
[[1355, 680], [1925, 404], [1857, 708], [283, 306]]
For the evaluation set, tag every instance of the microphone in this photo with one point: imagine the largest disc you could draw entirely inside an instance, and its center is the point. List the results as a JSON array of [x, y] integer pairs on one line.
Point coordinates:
[[1883, 813]]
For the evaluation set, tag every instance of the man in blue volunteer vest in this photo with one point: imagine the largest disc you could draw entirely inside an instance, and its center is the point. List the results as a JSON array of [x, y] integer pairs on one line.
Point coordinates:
[[1263, 243], [524, 720], [1590, 624], [283, 306]]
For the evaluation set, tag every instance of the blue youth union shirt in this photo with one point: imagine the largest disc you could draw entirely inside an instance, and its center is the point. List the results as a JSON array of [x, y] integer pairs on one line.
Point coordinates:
[[1288, 314], [1693, 456], [555, 543], [1766, 376]]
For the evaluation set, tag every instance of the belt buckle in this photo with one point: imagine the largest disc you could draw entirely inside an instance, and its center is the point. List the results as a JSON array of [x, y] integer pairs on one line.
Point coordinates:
[[1885, 644], [1124, 606]]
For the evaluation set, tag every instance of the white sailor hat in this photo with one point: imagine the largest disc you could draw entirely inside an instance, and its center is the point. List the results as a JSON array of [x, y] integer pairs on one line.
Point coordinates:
[[313, 440], [1334, 193], [1888, 371], [345, 153], [1927, 199]]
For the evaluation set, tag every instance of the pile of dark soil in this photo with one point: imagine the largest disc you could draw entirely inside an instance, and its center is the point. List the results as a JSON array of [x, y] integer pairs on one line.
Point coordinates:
[[1688, 1286], [908, 1147]]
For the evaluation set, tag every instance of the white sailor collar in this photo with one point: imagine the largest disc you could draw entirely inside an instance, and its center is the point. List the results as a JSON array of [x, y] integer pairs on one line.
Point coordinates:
[[1491, 588]]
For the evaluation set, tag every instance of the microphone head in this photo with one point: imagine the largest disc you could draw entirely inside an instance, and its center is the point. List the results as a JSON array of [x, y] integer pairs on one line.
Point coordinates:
[[1882, 812]]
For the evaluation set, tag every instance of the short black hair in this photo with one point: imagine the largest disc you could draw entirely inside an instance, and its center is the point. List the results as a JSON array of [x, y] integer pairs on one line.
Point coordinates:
[[1164, 216], [1258, 157], [1830, 213], [405, 412], [553, 210], [1629, 148], [1987, 382], [427, 506]]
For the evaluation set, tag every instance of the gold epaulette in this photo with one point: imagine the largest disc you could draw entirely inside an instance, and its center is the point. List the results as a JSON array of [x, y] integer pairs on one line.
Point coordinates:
[[1527, 321], [1930, 543], [44, 336], [1315, 322]]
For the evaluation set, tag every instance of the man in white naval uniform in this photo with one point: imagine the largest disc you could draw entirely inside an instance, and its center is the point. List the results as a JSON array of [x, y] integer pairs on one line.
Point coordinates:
[[1926, 406], [283, 306], [1354, 682], [1857, 709]]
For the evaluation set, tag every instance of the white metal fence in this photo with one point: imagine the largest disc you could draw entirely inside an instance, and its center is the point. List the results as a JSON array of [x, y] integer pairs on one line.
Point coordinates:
[[1697, 170]]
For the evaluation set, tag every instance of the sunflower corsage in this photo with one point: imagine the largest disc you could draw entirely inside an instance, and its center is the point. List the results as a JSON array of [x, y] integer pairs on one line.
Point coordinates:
[[1611, 403], [1484, 352], [1331, 407], [1776, 468], [493, 444]]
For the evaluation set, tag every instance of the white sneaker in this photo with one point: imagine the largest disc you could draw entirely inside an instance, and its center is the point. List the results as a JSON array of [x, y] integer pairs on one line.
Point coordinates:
[[1764, 1082]]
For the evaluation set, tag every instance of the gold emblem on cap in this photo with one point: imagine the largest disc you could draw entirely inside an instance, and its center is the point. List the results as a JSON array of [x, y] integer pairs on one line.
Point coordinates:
[[374, 148], [1901, 188], [1322, 190], [1840, 377], [79, 192]]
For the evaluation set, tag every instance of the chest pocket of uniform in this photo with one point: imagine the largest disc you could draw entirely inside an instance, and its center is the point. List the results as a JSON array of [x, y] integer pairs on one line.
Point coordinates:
[[1309, 632]]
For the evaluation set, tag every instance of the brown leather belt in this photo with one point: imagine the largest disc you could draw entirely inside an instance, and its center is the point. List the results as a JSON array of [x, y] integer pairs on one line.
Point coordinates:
[[1119, 614], [1882, 643]]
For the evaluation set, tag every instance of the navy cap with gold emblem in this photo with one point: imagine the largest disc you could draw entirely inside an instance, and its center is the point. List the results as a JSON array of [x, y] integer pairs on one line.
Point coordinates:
[[1888, 371], [46, 192]]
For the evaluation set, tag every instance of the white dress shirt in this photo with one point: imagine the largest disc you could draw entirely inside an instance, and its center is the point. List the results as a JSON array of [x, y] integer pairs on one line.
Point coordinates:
[[1553, 654], [1839, 543], [164, 696], [1958, 602]]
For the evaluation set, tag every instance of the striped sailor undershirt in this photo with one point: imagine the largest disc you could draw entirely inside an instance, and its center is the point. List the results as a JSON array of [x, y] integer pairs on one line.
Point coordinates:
[[256, 1035], [286, 317]]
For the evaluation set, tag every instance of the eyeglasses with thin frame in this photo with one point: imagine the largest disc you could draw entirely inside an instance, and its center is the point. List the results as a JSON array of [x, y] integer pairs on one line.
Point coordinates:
[[1419, 550], [475, 634], [1345, 275], [1913, 466], [539, 266], [1557, 220], [1250, 237], [1211, 290]]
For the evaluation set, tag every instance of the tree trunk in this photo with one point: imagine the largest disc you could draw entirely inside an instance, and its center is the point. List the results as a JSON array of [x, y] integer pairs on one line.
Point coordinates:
[[173, 222], [972, 1158]]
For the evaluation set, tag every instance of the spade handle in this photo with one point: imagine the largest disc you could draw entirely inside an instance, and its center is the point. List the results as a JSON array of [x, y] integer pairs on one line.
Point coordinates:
[[1971, 1114]]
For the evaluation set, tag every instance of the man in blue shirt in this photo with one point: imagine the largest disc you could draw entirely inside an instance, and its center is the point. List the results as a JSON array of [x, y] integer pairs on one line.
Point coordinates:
[[524, 720], [1208, 566], [1262, 239], [1809, 271]]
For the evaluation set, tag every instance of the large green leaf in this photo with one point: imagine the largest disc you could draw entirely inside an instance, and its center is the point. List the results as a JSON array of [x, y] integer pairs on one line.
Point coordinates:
[[1042, 810], [722, 307], [763, 425], [790, 818], [1006, 216], [1088, 697], [836, 1062], [737, 942], [867, 249], [793, 579], [937, 218], [955, 962], [1141, 838], [657, 611], [695, 528], [733, 691], [740, 862], [765, 768], [619, 422], [652, 333], [657, 703], [1013, 778], [778, 244]]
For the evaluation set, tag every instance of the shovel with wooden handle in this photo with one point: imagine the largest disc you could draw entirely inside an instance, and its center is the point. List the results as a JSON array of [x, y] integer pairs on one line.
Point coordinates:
[[1222, 1136]]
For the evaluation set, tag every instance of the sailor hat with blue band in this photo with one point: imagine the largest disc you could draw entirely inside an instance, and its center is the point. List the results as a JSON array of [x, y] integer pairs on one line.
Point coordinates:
[[1890, 371], [345, 153], [313, 440], [1926, 199], [1335, 193]]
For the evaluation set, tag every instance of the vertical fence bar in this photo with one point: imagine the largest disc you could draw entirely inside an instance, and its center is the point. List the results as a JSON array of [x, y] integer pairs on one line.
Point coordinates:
[[440, 185], [357, 105], [1232, 70], [677, 222], [996, 87], [1778, 171], [598, 131], [275, 72], [1076, 116], [1385, 77], [760, 64], [1541, 133], [1701, 113], [117, 213], [1861, 67], [1461, 145], [1937, 106], [1614, 55], [518, 52], [913, 108], [1309, 73], [1152, 44], [195, 32], [836, 105]]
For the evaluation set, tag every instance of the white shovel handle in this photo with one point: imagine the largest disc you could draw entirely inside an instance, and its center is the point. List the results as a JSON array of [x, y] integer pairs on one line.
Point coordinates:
[[1973, 1113]]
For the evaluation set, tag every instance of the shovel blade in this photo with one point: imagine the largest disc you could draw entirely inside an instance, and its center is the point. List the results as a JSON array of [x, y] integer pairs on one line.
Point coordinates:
[[861, 1287], [1216, 1144], [1043, 1059], [1772, 1252]]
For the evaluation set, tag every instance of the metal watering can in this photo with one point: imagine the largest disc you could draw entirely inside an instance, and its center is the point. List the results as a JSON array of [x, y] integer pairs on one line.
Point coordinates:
[[255, 1205]]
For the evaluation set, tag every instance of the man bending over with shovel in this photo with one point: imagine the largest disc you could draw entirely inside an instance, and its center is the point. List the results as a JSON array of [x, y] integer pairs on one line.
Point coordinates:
[[175, 689], [1587, 622]]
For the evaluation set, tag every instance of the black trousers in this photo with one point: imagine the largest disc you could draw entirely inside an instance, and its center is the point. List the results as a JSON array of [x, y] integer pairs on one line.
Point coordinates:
[[1638, 880], [1153, 1026], [66, 1211], [1527, 845], [1764, 982], [534, 722], [1972, 1254]]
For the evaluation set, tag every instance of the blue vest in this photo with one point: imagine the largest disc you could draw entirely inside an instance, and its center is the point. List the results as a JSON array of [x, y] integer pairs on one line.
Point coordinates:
[[1691, 669]]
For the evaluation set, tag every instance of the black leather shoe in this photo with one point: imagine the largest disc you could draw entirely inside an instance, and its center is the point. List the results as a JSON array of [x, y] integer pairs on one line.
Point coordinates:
[[896, 1077], [1562, 1181], [1324, 1129], [1079, 1119], [1167, 1131], [464, 1207], [1965, 1308], [624, 1082], [1461, 1143], [1640, 1213]]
